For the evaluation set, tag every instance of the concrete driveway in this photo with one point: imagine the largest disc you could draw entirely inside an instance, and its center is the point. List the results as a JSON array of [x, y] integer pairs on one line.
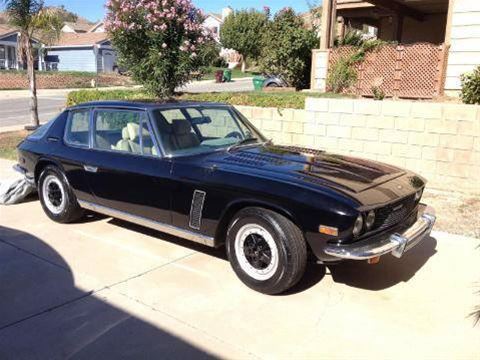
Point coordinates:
[[103, 288]]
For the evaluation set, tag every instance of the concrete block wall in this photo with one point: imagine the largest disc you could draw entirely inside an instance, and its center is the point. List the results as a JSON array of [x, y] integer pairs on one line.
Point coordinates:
[[439, 141]]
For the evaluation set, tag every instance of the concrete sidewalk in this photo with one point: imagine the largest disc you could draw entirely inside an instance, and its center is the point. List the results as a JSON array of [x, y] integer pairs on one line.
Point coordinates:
[[103, 288]]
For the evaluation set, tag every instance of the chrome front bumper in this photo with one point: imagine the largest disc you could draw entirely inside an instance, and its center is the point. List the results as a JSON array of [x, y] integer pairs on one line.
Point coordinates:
[[396, 243]]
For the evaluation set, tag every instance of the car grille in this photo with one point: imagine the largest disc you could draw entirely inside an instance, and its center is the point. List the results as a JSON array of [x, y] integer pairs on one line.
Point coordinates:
[[392, 214]]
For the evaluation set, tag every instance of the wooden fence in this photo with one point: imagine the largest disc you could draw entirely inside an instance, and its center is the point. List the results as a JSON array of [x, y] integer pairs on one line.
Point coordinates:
[[414, 71]]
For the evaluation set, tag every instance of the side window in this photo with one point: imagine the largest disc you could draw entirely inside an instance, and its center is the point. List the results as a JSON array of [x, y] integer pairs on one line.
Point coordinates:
[[120, 131], [76, 131], [148, 146]]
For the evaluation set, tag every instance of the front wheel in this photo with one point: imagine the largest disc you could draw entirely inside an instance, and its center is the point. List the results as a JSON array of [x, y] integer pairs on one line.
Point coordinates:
[[266, 250], [57, 198]]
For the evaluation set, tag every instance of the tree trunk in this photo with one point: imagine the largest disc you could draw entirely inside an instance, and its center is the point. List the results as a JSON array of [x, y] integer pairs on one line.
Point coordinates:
[[32, 85], [244, 65]]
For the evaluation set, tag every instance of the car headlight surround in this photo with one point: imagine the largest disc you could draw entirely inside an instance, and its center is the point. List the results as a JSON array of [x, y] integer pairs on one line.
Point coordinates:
[[358, 225], [418, 195], [370, 220]]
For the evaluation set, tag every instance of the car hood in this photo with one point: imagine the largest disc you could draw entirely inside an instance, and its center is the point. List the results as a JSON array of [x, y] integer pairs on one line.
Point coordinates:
[[359, 178]]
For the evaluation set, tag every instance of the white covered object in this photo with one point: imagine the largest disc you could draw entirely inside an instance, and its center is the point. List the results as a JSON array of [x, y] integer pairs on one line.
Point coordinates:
[[13, 191]]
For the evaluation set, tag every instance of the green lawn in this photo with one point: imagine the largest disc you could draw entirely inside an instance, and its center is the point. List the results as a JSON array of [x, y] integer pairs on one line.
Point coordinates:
[[236, 73], [288, 99], [9, 142]]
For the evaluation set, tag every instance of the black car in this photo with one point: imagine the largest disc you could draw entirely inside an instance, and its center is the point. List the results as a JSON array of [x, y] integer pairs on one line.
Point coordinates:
[[203, 172]]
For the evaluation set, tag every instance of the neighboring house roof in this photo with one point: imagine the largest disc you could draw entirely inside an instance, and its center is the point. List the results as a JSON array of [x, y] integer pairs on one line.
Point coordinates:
[[81, 39], [95, 27], [79, 26], [6, 30], [216, 16]]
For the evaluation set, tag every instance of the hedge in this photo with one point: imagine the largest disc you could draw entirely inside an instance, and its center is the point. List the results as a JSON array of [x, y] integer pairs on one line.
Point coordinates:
[[294, 100]]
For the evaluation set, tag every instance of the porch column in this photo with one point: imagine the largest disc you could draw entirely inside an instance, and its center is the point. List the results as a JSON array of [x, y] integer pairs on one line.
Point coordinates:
[[329, 14]]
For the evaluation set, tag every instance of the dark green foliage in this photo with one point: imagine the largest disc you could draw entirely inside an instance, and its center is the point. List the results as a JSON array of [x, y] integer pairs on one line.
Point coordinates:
[[471, 87], [242, 31], [294, 100], [287, 49]]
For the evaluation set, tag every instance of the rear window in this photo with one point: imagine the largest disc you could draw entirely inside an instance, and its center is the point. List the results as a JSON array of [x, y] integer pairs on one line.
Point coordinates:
[[76, 132], [42, 130]]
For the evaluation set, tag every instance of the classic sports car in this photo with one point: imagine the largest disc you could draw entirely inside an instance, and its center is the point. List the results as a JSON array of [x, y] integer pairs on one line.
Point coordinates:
[[203, 172]]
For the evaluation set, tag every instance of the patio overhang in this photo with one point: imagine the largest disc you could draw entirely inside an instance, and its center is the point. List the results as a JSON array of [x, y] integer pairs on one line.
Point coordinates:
[[391, 17]]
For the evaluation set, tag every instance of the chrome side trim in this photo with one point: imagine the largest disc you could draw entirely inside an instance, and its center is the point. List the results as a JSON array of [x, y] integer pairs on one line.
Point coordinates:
[[168, 229], [396, 243]]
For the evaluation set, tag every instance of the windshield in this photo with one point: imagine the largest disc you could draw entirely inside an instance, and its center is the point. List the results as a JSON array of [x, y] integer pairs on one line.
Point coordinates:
[[195, 130]]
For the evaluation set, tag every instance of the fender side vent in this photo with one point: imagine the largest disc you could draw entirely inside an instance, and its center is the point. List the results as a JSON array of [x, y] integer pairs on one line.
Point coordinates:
[[196, 209]]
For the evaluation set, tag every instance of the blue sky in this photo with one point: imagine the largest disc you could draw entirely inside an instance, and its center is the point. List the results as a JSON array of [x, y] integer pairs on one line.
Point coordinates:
[[93, 9]]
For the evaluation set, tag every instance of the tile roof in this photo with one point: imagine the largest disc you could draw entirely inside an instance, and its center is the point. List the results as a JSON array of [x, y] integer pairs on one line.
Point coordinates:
[[6, 29], [78, 39], [79, 25]]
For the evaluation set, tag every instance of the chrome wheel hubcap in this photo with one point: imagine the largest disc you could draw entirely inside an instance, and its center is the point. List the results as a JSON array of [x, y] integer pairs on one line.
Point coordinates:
[[256, 252], [53, 194]]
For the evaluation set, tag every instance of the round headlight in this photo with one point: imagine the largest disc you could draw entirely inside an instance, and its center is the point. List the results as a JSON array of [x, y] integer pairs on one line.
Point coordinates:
[[357, 227], [370, 219]]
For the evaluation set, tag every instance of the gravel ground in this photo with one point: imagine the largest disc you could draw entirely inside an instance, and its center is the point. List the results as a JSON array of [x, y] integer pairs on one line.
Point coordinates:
[[456, 213]]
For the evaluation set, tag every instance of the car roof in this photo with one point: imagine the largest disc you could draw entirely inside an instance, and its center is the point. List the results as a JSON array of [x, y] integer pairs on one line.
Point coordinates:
[[139, 105]]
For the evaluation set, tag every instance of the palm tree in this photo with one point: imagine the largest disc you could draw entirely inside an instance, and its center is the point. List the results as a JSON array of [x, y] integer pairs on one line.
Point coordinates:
[[32, 18]]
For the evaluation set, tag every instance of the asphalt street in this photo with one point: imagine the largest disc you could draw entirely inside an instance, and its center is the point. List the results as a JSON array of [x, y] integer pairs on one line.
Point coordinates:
[[14, 105], [15, 111]]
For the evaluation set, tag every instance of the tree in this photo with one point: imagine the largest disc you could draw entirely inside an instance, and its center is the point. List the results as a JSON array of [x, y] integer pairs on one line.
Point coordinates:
[[157, 40], [31, 17], [242, 31], [287, 48]]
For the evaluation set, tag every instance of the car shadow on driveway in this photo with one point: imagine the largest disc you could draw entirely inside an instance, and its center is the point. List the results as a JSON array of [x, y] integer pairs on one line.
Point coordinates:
[[43, 315], [389, 272]]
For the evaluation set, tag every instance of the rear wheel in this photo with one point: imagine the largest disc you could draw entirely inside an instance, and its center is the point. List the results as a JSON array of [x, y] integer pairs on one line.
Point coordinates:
[[266, 250], [56, 196]]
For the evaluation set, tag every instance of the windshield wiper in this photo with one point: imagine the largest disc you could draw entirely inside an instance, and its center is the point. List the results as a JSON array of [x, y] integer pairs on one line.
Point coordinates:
[[242, 142]]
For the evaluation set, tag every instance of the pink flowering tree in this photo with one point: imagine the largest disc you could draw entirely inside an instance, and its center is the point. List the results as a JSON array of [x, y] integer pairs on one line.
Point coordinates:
[[157, 40]]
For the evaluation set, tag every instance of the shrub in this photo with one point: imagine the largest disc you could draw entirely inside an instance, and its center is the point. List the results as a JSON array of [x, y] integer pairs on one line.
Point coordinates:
[[294, 100], [471, 87], [242, 31], [287, 49], [157, 40], [341, 75]]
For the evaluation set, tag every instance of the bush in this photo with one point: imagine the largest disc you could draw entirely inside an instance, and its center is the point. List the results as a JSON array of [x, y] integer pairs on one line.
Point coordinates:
[[242, 31], [294, 100], [157, 40], [471, 87], [287, 49], [341, 76]]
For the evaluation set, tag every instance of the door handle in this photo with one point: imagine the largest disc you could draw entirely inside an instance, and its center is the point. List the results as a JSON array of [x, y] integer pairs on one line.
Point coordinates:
[[92, 169]]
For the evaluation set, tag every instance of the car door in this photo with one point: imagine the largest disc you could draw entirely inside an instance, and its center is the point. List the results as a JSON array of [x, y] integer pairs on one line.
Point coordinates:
[[126, 172], [76, 152]]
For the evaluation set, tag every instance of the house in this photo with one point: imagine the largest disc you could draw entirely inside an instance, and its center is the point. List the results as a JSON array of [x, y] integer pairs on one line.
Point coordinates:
[[447, 28], [8, 49], [91, 52], [213, 22]]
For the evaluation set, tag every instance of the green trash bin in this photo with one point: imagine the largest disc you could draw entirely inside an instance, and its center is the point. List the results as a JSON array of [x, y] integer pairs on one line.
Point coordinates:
[[227, 75], [258, 83]]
